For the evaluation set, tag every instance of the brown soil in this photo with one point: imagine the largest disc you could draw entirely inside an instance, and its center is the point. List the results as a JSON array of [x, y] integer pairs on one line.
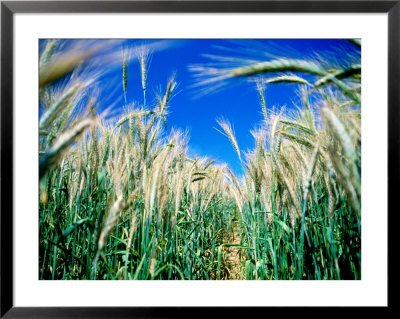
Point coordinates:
[[232, 254]]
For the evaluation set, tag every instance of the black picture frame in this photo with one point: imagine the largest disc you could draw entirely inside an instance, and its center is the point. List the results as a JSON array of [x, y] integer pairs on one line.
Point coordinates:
[[9, 8]]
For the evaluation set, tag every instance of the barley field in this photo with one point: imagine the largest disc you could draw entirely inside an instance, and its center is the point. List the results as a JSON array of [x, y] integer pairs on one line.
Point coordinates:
[[121, 195]]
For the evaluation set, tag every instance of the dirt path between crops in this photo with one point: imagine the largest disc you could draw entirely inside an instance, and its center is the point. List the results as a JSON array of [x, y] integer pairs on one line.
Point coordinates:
[[232, 261]]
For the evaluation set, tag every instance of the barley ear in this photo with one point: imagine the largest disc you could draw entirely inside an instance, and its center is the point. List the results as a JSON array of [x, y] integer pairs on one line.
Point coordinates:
[[228, 132]]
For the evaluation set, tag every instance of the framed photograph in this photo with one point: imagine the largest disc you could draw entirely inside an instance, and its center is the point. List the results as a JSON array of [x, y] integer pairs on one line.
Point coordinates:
[[163, 157]]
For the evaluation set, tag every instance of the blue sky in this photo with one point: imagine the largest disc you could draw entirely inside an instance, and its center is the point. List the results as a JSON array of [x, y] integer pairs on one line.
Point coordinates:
[[191, 109]]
